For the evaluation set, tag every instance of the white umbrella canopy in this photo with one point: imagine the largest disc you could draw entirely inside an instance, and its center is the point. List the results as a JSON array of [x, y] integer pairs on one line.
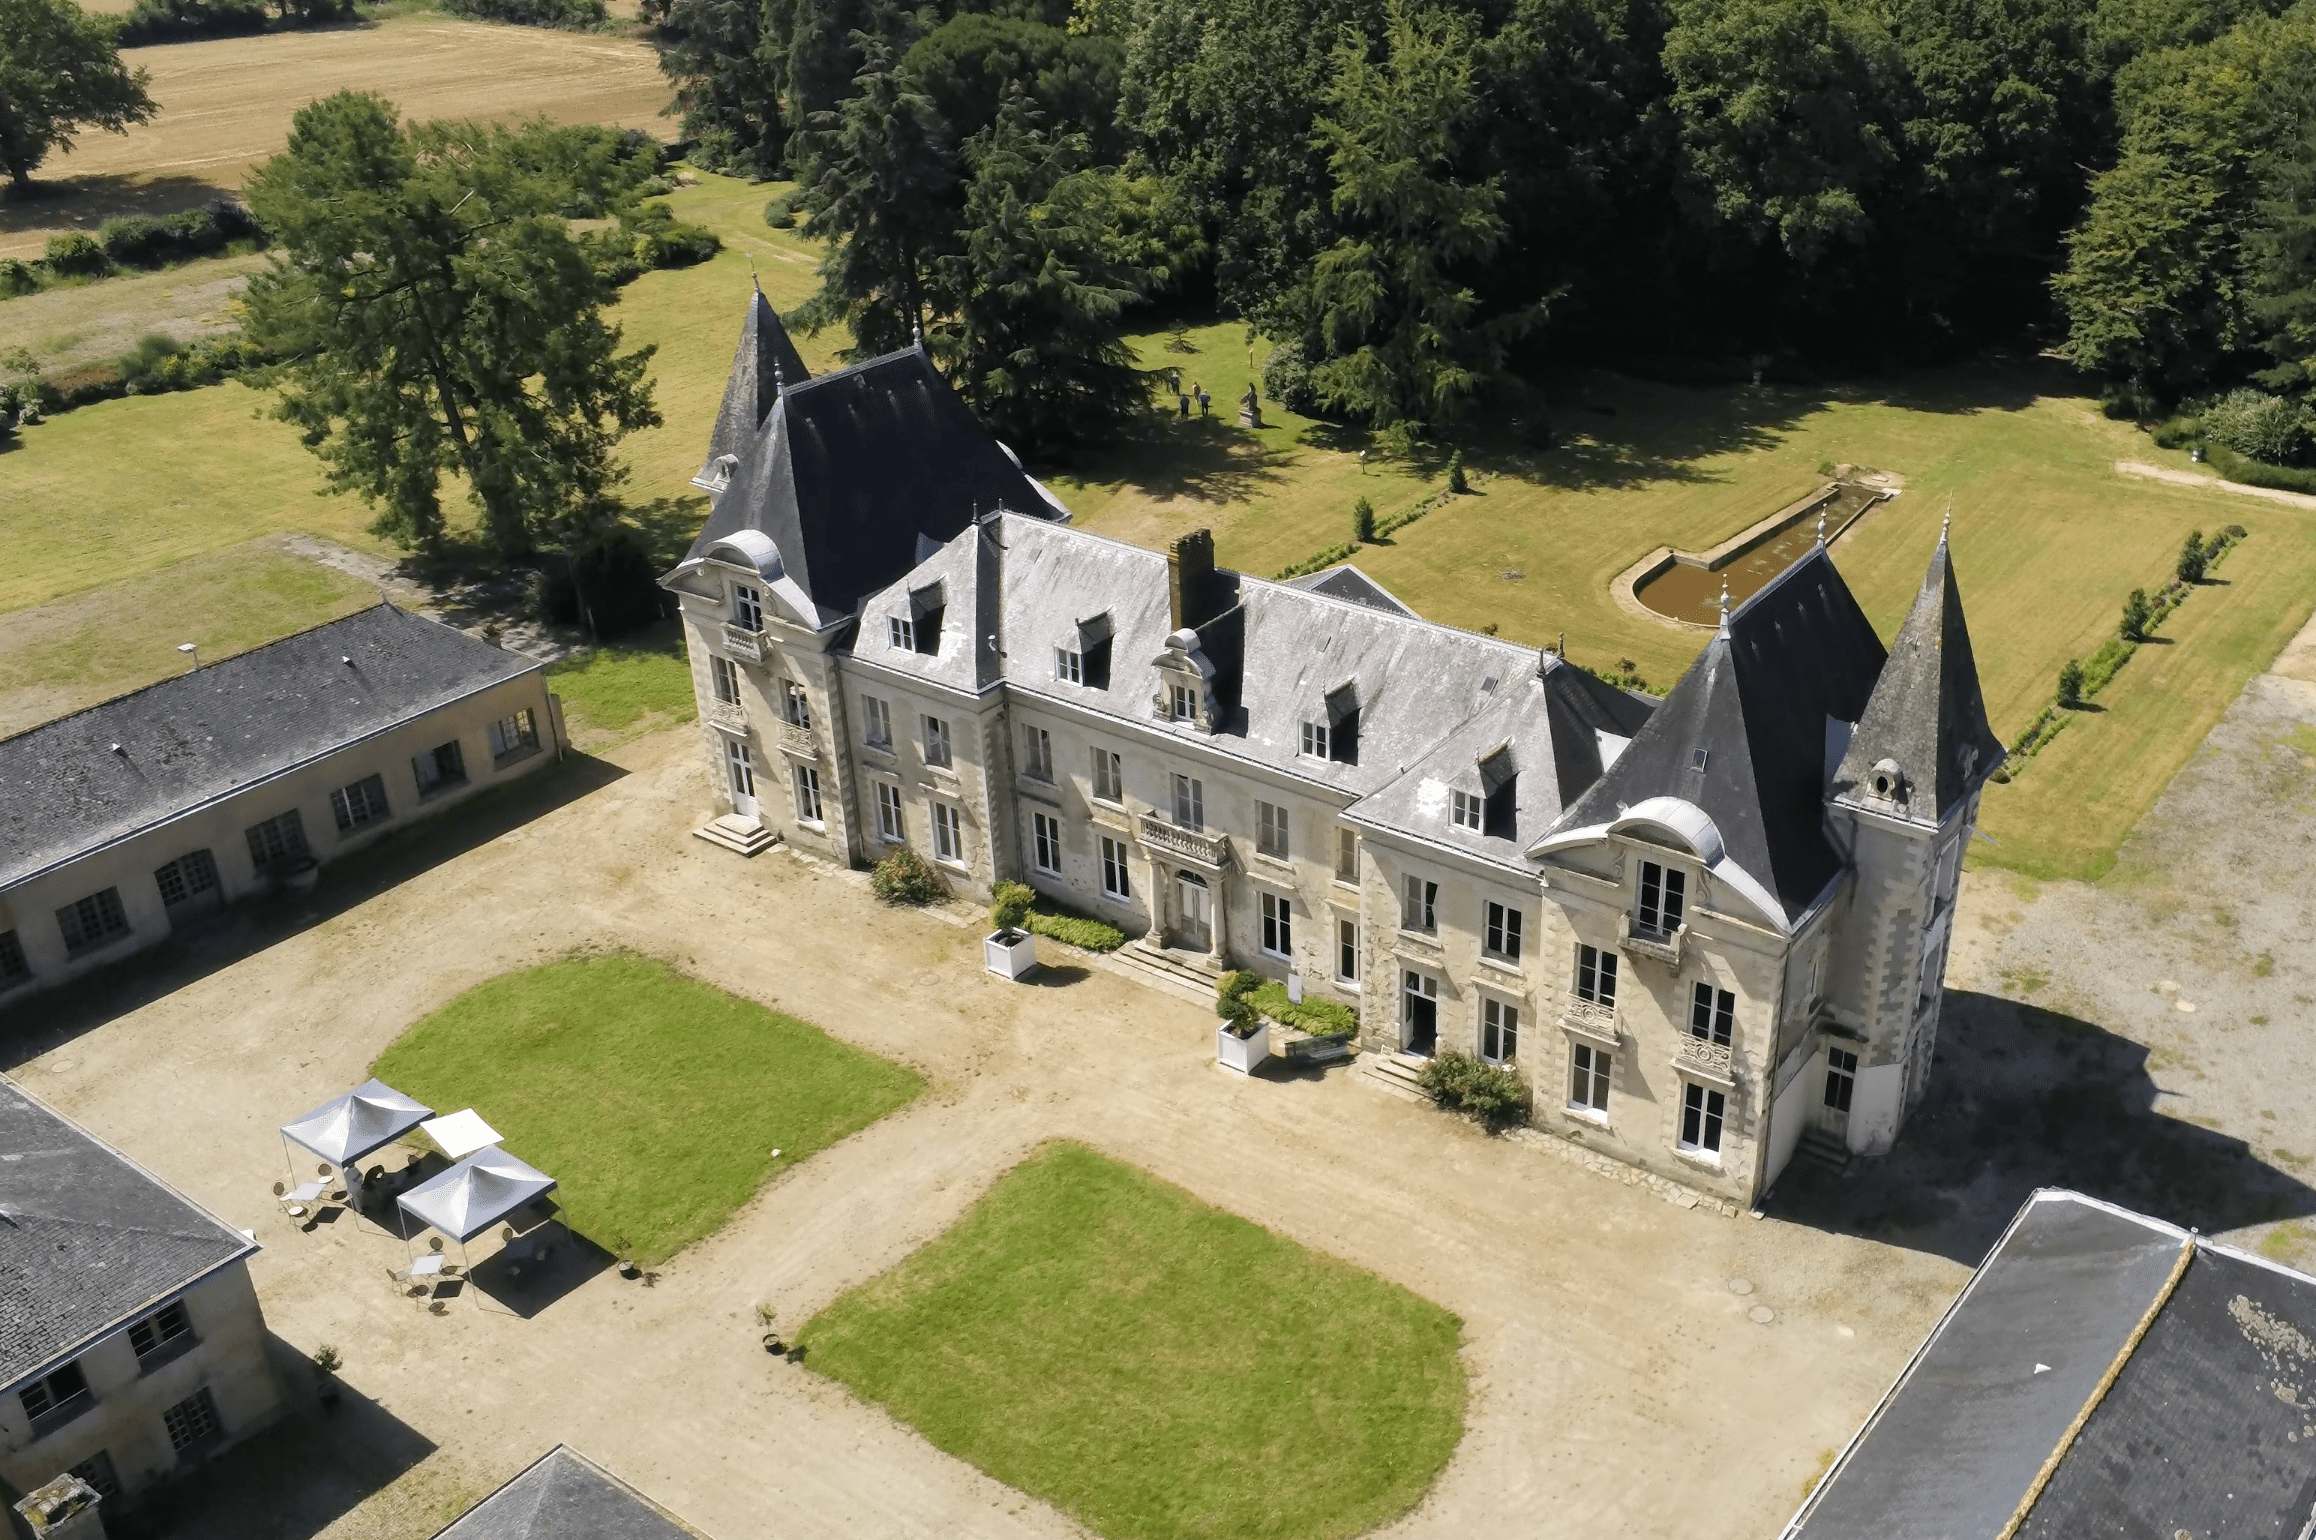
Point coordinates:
[[346, 1128], [475, 1194], [460, 1134]]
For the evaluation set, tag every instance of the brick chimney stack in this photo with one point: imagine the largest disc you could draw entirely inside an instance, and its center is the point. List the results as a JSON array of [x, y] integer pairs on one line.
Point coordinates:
[[1190, 578]]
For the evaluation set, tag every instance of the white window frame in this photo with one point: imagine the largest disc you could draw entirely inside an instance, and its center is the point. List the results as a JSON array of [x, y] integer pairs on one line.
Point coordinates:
[[1418, 905], [1505, 934], [795, 705], [876, 722], [1271, 830], [1037, 753], [1713, 1008], [1069, 665], [901, 632], [948, 833], [747, 608], [1278, 924], [724, 679], [1314, 740], [1182, 702], [1045, 843], [1189, 802], [1347, 950], [1346, 855], [1707, 1107], [1109, 776], [892, 826], [1596, 970], [940, 753], [1591, 1069], [1662, 915], [192, 875], [359, 804], [514, 736], [806, 784], [1466, 810], [1499, 1024], [1117, 876]]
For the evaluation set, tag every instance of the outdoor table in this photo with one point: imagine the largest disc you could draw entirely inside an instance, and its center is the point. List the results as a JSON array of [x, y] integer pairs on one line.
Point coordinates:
[[304, 1193]]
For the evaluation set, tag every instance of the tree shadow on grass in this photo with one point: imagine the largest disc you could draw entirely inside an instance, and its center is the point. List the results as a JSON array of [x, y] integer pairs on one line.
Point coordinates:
[[86, 202], [2021, 1098], [290, 1481], [1202, 459], [54, 1017]]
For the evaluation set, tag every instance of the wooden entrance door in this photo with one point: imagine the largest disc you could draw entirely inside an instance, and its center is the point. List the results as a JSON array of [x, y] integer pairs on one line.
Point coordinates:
[[740, 773], [1419, 1013], [1832, 1115]]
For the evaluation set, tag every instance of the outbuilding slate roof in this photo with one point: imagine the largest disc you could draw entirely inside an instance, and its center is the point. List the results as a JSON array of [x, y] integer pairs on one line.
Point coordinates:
[[88, 1240], [565, 1496], [66, 789], [2166, 1382]]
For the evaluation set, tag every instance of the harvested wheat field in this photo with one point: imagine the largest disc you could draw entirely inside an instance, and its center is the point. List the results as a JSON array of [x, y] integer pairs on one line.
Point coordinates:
[[226, 105]]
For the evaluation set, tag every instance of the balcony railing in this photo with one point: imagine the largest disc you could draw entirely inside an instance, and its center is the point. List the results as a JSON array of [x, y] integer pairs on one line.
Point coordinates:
[[1211, 850], [1662, 945], [742, 643], [1708, 1059], [729, 715], [799, 740], [1590, 1018]]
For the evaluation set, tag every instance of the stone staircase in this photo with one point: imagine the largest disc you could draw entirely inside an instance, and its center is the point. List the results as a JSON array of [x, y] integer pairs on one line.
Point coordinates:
[[1396, 1074], [1178, 973], [748, 836], [1822, 1151]]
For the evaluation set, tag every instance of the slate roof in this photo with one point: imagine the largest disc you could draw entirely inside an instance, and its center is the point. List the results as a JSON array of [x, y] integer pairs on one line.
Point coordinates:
[[764, 362], [851, 468], [1348, 582], [2203, 1428], [88, 1240], [190, 739], [565, 1496], [1744, 734], [1927, 713]]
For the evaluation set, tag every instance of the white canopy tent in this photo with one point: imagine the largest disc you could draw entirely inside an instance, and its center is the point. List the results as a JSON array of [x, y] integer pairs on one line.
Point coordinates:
[[459, 1134], [472, 1196], [345, 1128]]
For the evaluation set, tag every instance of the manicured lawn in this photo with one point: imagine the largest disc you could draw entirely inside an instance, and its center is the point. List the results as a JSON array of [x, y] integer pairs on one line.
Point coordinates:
[[1152, 1366], [625, 689], [655, 1099]]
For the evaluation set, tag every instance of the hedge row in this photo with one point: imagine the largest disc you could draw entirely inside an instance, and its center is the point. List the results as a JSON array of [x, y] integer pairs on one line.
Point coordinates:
[[570, 15], [1320, 1018], [136, 241], [186, 21], [1018, 906]]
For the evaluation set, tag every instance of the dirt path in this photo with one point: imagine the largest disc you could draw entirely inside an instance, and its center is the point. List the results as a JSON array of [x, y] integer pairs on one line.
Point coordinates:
[[1610, 1346], [2180, 478]]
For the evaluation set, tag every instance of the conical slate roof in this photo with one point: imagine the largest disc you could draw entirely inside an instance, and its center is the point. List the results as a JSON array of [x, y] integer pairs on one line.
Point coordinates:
[[1926, 713], [763, 364]]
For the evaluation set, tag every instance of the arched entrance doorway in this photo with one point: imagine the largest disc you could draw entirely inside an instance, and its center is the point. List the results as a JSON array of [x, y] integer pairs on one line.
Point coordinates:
[[1193, 912]]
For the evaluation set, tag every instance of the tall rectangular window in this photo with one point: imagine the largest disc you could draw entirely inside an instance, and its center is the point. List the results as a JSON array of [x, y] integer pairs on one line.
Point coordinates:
[[1069, 665], [192, 1423], [937, 742], [901, 632], [724, 674], [1182, 702], [1702, 1109], [795, 705], [1109, 776], [1595, 975], [1465, 810], [1037, 753], [747, 608], [1419, 905], [889, 812], [1270, 829], [1712, 1013], [1115, 882], [1189, 802], [513, 736], [948, 833], [876, 722], [1278, 924], [1347, 952], [807, 794], [1499, 1030], [191, 876], [1588, 1078], [1663, 890], [15, 968], [1503, 935], [364, 802], [441, 767], [1315, 740], [278, 841], [1346, 853], [93, 921], [1045, 843]]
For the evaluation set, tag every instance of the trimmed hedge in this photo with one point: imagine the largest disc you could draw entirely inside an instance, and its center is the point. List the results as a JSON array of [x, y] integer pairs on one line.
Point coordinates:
[[905, 877], [2258, 473], [570, 15], [1495, 1097], [1320, 1018], [1018, 906]]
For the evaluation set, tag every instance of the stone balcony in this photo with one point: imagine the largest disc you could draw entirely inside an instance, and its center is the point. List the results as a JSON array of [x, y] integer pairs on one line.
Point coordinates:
[[1660, 945], [743, 644], [1193, 845], [1707, 1060], [799, 741], [1589, 1018], [728, 716]]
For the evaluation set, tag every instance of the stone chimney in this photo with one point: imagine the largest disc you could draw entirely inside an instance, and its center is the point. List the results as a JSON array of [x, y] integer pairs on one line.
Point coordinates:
[[1190, 578], [65, 1509]]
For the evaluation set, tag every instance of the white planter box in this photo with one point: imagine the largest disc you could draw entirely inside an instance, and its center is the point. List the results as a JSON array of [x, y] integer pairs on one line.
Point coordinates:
[[1243, 1054], [1010, 954]]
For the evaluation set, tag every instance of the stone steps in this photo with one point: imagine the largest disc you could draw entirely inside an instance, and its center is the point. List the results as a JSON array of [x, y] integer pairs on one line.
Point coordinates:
[[1823, 1151], [1173, 972], [1396, 1074], [747, 836]]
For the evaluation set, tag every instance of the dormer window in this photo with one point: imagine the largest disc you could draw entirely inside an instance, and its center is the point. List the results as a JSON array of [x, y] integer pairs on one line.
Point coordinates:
[[1338, 734], [1500, 795], [925, 608], [901, 633], [1464, 810], [747, 608], [1069, 665], [1087, 661], [1182, 702], [1662, 899], [1315, 736]]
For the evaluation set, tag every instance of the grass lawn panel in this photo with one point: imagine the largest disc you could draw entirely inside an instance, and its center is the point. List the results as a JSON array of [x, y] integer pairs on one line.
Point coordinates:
[[1154, 1366], [624, 689], [655, 1099]]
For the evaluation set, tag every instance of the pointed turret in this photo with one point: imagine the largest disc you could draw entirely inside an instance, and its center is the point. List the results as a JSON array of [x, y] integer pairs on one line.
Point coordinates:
[[1924, 743], [763, 365]]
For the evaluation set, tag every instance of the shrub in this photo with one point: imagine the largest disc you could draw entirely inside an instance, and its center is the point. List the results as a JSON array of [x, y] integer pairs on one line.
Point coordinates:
[[2071, 684], [17, 277], [647, 239], [141, 240], [1011, 906], [74, 255], [611, 588], [1456, 481], [2254, 423], [1320, 1018], [1495, 1097], [780, 213], [2257, 473], [2103, 665], [168, 21], [1082, 931], [1362, 521], [1235, 985], [2137, 614], [2192, 558], [314, 13], [904, 877], [573, 15], [1287, 379]]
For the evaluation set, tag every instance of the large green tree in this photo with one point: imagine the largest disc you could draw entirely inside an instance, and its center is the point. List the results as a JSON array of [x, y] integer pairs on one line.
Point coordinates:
[[726, 84], [1403, 340], [881, 198], [967, 64], [1033, 338], [438, 316], [59, 73], [2282, 258]]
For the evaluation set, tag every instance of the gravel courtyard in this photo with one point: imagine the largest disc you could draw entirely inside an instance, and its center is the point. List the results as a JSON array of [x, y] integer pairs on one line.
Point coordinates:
[[1621, 1384]]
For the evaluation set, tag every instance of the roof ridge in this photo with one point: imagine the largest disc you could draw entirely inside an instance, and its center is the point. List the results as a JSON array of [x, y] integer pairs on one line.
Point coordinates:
[[1755, 597], [231, 657], [858, 366]]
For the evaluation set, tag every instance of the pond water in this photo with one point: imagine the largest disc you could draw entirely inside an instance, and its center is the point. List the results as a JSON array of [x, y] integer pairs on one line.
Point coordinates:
[[1691, 593]]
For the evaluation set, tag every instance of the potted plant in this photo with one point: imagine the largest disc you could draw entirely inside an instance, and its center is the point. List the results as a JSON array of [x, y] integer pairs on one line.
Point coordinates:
[[623, 1250], [771, 1335], [1242, 1037], [1009, 950], [326, 1386]]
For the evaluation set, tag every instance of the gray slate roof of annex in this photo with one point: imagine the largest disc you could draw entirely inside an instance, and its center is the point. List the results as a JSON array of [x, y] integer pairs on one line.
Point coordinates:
[[88, 1240], [564, 1496], [220, 727]]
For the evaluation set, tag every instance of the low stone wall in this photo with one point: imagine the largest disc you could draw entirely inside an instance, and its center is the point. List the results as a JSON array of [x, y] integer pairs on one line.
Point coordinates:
[[1625, 587]]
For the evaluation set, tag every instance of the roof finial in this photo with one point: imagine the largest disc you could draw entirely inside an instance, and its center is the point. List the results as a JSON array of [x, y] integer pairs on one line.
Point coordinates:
[[754, 279], [1821, 529], [916, 333], [1724, 605], [779, 384], [1946, 523]]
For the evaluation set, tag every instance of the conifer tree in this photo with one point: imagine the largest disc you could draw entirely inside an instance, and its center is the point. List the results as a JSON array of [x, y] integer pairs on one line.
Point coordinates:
[[725, 84]]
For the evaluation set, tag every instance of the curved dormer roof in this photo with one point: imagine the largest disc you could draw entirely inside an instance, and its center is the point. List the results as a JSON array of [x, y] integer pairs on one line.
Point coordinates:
[[1681, 821]]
